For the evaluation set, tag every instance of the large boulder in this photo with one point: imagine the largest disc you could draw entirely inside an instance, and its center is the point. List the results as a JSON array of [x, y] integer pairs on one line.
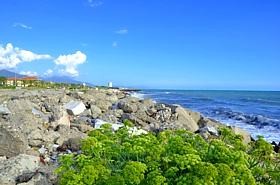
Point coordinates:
[[95, 111], [111, 97], [205, 122], [65, 135], [183, 118], [104, 105], [12, 142], [19, 105], [12, 169], [148, 103], [196, 116], [127, 106], [26, 121], [138, 119], [244, 133]]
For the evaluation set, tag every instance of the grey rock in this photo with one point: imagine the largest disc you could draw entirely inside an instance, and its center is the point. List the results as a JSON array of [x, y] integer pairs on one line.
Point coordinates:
[[244, 133], [82, 126], [33, 179], [204, 122], [111, 97], [184, 120], [127, 107], [12, 142], [73, 133], [104, 105], [13, 168], [138, 119], [19, 105], [35, 143], [152, 111], [148, 103], [75, 144], [36, 135], [196, 116], [50, 136], [110, 118], [26, 122], [95, 111], [205, 135], [160, 106]]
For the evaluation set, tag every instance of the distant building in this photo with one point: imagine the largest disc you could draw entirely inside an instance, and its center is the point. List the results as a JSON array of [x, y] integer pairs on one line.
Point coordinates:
[[110, 84], [32, 78], [25, 81], [14, 81], [29, 80]]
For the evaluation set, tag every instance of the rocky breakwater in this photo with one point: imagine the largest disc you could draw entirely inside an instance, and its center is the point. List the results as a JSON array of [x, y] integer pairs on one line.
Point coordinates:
[[38, 126]]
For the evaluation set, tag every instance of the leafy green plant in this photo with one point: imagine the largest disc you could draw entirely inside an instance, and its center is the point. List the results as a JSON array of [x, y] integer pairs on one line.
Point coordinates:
[[171, 157]]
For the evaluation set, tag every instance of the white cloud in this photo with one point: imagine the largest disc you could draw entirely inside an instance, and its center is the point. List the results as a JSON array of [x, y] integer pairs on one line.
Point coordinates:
[[71, 63], [48, 72], [11, 56], [114, 44], [94, 3], [29, 73], [23, 26], [123, 31]]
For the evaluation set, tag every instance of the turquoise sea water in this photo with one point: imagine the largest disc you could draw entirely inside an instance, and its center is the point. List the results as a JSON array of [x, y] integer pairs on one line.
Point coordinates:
[[256, 111]]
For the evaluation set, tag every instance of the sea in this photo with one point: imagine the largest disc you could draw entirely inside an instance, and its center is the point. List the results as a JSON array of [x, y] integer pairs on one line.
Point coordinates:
[[258, 112]]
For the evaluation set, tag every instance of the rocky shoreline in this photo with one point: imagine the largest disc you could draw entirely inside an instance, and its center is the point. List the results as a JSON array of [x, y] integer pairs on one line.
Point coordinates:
[[38, 126]]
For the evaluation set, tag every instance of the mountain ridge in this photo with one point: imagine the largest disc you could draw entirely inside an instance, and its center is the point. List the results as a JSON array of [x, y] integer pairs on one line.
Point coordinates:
[[56, 79]]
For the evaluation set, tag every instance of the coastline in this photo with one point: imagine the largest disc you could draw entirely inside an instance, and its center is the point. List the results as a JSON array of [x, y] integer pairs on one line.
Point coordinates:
[[41, 125], [255, 111]]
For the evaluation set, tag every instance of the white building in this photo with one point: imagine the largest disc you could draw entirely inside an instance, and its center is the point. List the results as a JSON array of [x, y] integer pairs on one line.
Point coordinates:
[[110, 84]]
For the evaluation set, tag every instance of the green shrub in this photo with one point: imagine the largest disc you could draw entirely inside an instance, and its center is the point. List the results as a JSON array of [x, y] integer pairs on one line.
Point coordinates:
[[178, 157]]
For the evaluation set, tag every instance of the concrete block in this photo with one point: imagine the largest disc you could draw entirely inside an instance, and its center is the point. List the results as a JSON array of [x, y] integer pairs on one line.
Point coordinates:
[[75, 107]]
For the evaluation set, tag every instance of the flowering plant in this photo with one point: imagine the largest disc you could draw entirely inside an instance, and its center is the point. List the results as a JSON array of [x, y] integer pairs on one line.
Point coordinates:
[[171, 157]]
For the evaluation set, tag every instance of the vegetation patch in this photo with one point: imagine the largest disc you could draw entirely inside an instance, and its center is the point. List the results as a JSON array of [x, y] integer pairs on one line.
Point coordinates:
[[171, 157]]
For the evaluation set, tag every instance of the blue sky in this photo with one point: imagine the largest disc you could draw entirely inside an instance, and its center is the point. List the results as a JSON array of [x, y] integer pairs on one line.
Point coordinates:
[[166, 44]]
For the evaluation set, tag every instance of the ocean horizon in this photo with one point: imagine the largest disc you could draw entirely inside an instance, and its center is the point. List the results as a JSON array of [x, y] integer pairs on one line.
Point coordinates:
[[256, 111]]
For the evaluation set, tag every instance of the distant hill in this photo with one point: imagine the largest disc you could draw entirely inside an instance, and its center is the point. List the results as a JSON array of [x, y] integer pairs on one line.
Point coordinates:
[[65, 79], [56, 79], [9, 74]]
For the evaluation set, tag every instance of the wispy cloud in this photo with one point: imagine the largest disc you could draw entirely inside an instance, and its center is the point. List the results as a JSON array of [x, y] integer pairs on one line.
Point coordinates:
[[29, 73], [11, 56], [123, 31], [94, 3], [114, 44], [71, 63], [49, 72], [23, 26]]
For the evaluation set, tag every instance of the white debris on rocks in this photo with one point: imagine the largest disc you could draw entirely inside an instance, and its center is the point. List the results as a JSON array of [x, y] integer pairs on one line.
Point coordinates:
[[75, 107], [210, 129], [114, 127], [4, 110]]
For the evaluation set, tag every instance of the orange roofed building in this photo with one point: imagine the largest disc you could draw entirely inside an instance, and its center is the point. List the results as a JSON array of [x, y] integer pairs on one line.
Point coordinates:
[[14, 81], [25, 81], [33, 78]]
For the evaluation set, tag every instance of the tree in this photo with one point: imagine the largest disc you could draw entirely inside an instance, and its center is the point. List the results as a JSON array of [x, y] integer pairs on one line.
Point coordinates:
[[3, 80], [24, 83]]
